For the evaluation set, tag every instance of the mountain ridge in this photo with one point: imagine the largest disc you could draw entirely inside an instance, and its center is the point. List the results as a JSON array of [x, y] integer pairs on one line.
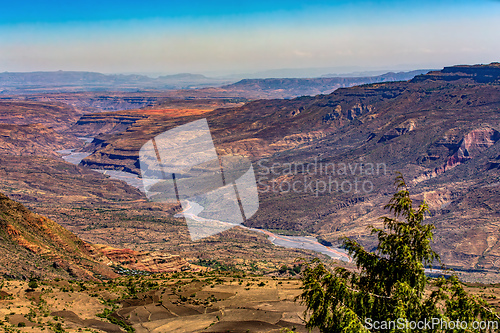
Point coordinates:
[[77, 81], [186, 85]]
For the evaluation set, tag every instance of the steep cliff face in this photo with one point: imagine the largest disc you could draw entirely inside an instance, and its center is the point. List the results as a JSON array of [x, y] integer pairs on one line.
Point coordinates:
[[472, 145], [477, 141], [34, 245], [31, 244], [92, 125], [478, 73]]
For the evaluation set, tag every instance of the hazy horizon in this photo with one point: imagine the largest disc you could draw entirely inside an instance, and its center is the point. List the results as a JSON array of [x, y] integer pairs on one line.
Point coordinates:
[[223, 38], [271, 73]]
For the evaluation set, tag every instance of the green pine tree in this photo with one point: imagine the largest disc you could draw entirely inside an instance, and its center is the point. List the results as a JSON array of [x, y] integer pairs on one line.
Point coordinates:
[[390, 284]]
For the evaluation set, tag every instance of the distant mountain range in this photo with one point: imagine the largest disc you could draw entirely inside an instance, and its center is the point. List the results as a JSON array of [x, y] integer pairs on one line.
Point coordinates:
[[67, 81], [340, 71], [186, 85], [295, 87], [290, 87]]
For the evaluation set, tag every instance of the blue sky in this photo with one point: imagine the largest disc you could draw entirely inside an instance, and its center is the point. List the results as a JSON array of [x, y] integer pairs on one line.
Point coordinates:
[[230, 37]]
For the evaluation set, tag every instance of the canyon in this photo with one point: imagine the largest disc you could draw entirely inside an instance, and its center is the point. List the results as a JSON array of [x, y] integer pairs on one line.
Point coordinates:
[[440, 129]]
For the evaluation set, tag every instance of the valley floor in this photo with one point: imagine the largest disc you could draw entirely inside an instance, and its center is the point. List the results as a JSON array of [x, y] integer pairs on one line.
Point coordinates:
[[179, 302]]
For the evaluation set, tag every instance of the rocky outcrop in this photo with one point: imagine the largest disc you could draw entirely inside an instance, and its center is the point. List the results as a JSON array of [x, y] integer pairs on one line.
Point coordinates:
[[92, 125], [358, 110], [403, 128], [154, 262], [472, 145]]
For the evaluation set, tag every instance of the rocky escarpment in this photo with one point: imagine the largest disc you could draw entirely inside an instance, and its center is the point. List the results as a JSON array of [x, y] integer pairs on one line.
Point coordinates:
[[92, 125], [34, 139], [473, 144], [92, 102], [257, 129], [33, 245], [477, 73]]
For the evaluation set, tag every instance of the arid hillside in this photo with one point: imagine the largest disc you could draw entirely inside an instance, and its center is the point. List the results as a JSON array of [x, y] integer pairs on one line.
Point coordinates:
[[34, 246], [58, 116], [34, 139], [180, 302]]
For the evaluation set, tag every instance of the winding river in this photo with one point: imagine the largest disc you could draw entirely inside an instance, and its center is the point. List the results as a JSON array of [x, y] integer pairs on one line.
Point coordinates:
[[296, 242]]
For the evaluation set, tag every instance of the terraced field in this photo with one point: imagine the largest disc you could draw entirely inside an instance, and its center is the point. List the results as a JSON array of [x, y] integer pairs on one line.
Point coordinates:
[[180, 302]]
